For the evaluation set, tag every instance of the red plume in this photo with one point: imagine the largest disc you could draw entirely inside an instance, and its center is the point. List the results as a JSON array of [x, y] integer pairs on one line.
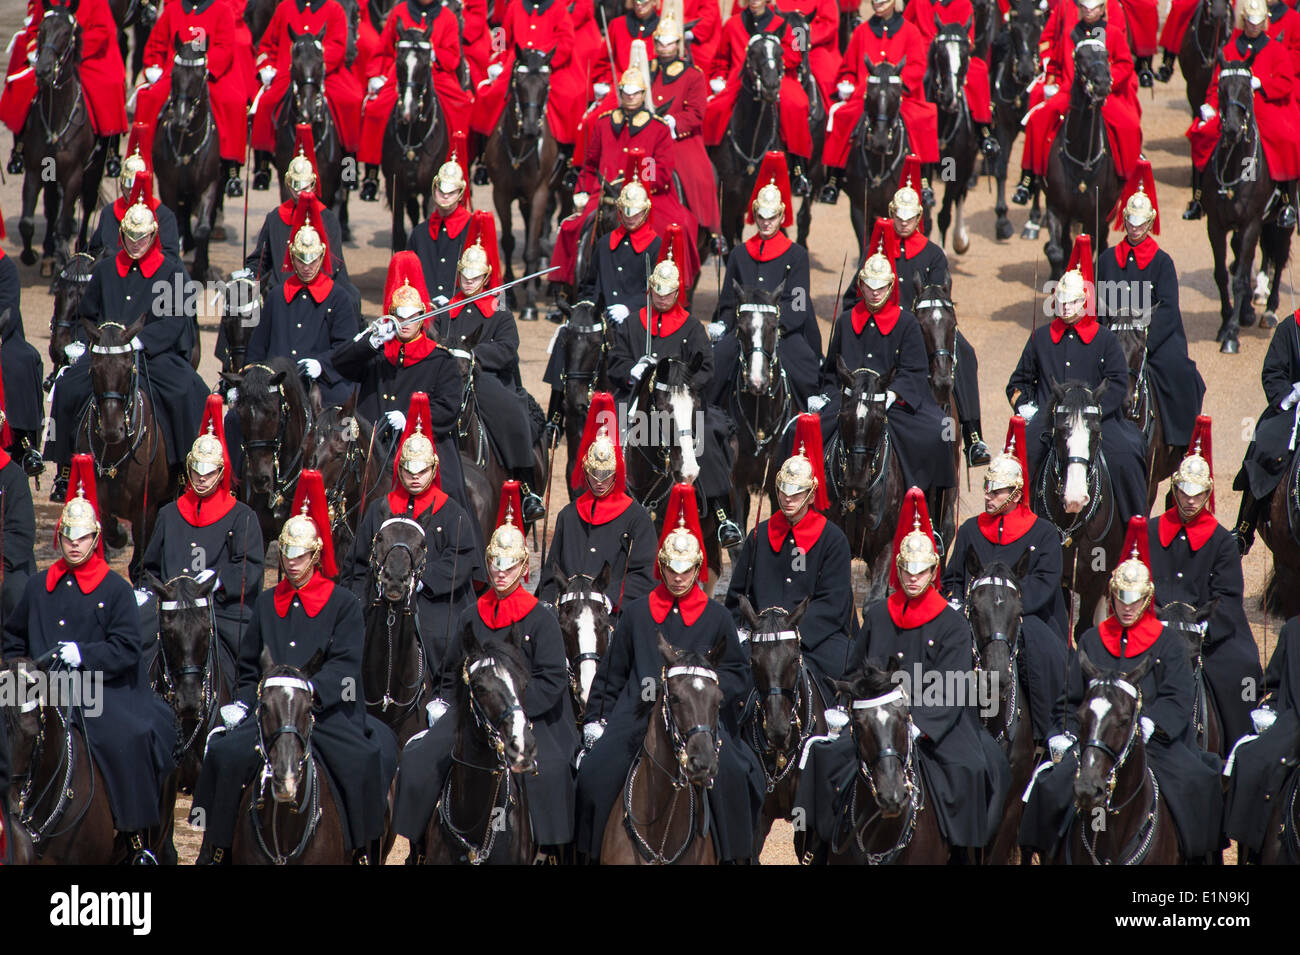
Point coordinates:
[[82, 478], [416, 413], [460, 153], [214, 420], [1136, 542], [3, 233], [1015, 445], [808, 442], [602, 412], [674, 242], [1142, 176], [773, 170], [682, 509], [405, 268], [884, 239], [511, 508], [1200, 444], [307, 211], [914, 511], [1081, 259], [635, 169], [304, 142], [6, 435], [483, 228], [141, 139], [911, 173], [311, 494]]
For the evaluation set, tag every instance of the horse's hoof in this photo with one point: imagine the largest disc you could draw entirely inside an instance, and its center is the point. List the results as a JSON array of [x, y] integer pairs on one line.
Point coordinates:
[[261, 180], [555, 316], [1269, 320], [479, 176], [28, 257], [1004, 229], [961, 243], [370, 190], [113, 166], [1030, 231], [511, 302], [529, 314], [1229, 346]]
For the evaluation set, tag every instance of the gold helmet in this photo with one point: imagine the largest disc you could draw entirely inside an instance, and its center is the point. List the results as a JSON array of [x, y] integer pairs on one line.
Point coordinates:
[[507, 548], [1139, 209], [206, 454], [1004, 471], [307, 246], [1131, 581], [797, 474], [78, 518], [300, 536], [631, 81], [906, 204], [451, 178], [418, 452], [300, 174], [769, 201], [637, 75], [139, 222], [1089, 4], [680, 551], [1071, 288], [132, 165], [601, 460], [1195, 474], [669, 29], [474, 262], [665, 279], [407, 296], [633, 199], [876, 272], [1254, 11], [916, 553]]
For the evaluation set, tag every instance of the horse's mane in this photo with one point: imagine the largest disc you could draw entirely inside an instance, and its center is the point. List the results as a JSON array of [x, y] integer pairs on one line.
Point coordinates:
[[188, 591], [256, 390]]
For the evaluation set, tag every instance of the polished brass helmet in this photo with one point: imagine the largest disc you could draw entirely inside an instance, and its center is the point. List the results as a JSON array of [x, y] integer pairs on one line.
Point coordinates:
[[1004, 471], [769, 202], [206, 454], [1071, 287], [1138, 211], [680, 551], [307, 246], [131, 166], [1255, 11], [418, 452], [916, 553], [451, 178], [876, 272], [906, 204], [139, 222], [474, 261], [633, 199], [796, 474], [1193, 476], [665, 279], [1131, 581], [78, 518], [300, 536], [601, 459], [668, 30], [300, 175], [507, 548], [632, 81], [406, 299]]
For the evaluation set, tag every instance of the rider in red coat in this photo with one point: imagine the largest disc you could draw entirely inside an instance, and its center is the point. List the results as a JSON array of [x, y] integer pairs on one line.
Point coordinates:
[[823, 18], [274, 64], [928, 16], [209, 29], [101, 73], [1095, 19], [1276, 113], [637, 24], [369, 28], [476, 40], [381, 95], [725, 81], [885, 37], [703, 25]]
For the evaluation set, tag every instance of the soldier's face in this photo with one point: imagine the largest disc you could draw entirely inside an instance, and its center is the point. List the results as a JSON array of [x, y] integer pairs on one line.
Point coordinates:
[[407, 333], [633, 221], [418, 482], [882, 8], [631, 101], [996, 501], [307, 271], [298, 569], [77, 552], [1253, 30], [505, 581], [874, 297], [794, 506], [663, 303], [1128, 614], [1136, 233], [446, 201], [905, 227], [1189, 505], [666, 52], [914, 584], [767, 225], [204, 484], [137, 247], [643, 8], [1091, 15], [679, 583], [757, 7], [472, 286], [1071, 312]]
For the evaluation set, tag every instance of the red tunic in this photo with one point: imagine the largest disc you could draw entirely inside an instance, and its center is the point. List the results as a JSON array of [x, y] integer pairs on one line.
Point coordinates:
[[341, 88], [242, 47], [210, 19], [1284, 25], [444, 34], [923, 14], [704, 24], [680, 92], [823, 18], [886, 41], [1176, 24], [622, 32], [476, 40], [1143, 17], [367, 48], [588, 45]]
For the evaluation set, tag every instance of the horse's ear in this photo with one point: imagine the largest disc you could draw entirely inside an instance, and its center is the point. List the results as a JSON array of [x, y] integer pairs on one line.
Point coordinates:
[[265, 661], [1135, 676], [1021, 570], [846, 376], [887, 379], [519, 52], [893, 665], [866, 61], [565, 308], [561, 581], [799, 611], [947, 285], [177, 43], [313, 665], [313, 396], [747, 612], [1055, 386], [601, 583], [1087, 667], [349, 408], [208, 586], [718, 650], [91, 328], [277, 379], [901, 63], [293, 34], [473, 338], [320, 37], [1204, 613], [133, 330], [232, 378], [469, 640], [149, 582], [1220, 60], [667, 650], [918, 283], [738, 289], [1100, 389], [938, 24], [973, 564], [778, 291], [516, 636]]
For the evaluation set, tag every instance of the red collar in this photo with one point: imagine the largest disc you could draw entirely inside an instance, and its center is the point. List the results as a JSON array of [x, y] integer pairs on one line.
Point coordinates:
[[913, 245], [406, 354], [640, 239], [89, 575], [314, 594], [765, 250], [431, 500], [487, 306], [1086, 327], [806, 533], [319, 287], [691, 606], [148, 263], [455, 223], [1140, 638], [885, 319], [1006, 528], [1144, 252], [286, 211], [601, 510], [497, 614], [666, 323], [910, 614], [1199, 530], [191, 506], [4, 455]]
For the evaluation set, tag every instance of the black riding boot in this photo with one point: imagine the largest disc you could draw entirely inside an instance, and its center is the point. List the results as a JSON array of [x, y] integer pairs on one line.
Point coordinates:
[[729, 532], [934, 501], [15, 165], [59, 492], [416, 855], [210, 856], [989, 145], [799, 185], [1025, 188], [479, 174], [977, 452], [1286, 217], [112, 162], [1166, 71], [261, 171], [534, 507], [370, 185], [1146, 79], [234, 188], [554, 419], [1194, 210], [33, 463], [141, 854], [830, 193], [1247, 518]]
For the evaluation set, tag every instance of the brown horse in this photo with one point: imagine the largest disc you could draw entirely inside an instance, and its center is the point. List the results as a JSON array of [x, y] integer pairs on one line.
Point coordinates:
[[288, 815], [120, 431], [937, 316], [788, 707], [1141, 405], [885, 820], [1191, 623], [342, 448], [660, 816], [1115, 782], [1280, 530]]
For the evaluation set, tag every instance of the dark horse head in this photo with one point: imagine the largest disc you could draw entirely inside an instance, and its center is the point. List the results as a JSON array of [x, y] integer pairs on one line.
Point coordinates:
[[1191, 622], [1024, 27], [1076, 439], [862, 426], [764, 67], [994, 609], [1132, 334], [758, 328], [1092, 79], [882, 732], [949, 63], [494, 679], [776, 659], [882, 106], [67, 287], [585, 342], [937, 317], [187, 671], [530, 85], [586, 622], [397, 556], [272, 409], [674, 408], [285, 720], [240, 313], [692, 699], [114, 379], [414, 59], [341, 448], [24, 724], [1108, 731], [1236, 101], [307, 75], [58, 48], [189, 81]]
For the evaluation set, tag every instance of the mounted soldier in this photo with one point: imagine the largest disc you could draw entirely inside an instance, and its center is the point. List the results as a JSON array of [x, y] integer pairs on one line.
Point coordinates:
[[107, 236], [929, 16], [21, 366], [440, 239], [17, 520]]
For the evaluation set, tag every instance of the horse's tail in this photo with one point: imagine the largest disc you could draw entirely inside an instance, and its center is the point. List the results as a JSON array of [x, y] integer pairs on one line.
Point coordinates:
[[1280, 589]]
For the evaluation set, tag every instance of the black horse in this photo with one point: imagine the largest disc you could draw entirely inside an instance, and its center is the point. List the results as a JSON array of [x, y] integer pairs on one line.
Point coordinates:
[[416, 138], [187, 154], [1191, 622], [68, 286], [1141, 405], [1013, 70], [584, 338], [1082, 185], [139, 17], [305, 103], [586, 623], [937, 316], [950, 53], [879, 146], [342, 449], [1207, 33]]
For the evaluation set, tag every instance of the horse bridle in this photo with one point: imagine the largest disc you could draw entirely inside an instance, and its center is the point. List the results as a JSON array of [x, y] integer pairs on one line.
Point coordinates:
[[1248, 139], [1093, 467], [754, 84], [1010, 63], [800, 697], [588, 376], [65, 55], [589, 597], [354, 461], [377, 566], [206, 671], [310, 82], [176, 134], [662, 464], [132, 401], [288, 476], [1009, 726], [306, 768], [423, 109], [940, 304], [518, 106], [912, 783], [840, 452]]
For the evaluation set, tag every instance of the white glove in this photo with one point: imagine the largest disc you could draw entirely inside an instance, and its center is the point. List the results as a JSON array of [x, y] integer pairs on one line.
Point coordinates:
[[309, 367], [384, 330], [617, 313], [671, 120], [232, 396], [73, 351], [1148, 727], [70, 654], [590, 733], [396, 420], [955, 604], [915, 731], [1207, 112], [743, 635], [600, 89], [142, 597], [1059, 745], [203, 577], [1290, 400], [440, 300], [1027, 410], [836, 720], [639, 368], [844, 88], [376, 83], [494, 70], [267, 73], [152, 74], [716, 331], [233, 713], [32, 58], [817, 402], [1050, 90], [1254, 83], [436, 710], [890, 398], [580, 200], [1263, 718], [717, 84], [136, 344], [690, 36]]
